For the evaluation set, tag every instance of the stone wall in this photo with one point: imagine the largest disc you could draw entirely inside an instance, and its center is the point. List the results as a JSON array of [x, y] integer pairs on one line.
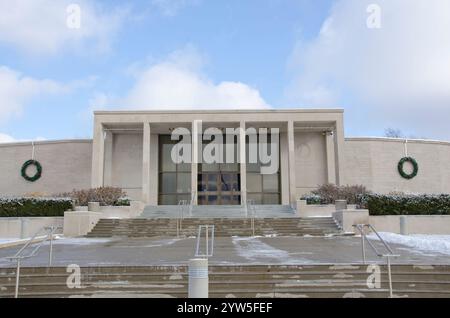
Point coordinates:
[[26, 227], [373, 163], [66, 165], [310, 161], [369, 161]]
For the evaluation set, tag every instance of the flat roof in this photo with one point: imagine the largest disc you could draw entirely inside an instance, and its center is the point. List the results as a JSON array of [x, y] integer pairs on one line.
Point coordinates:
[[228, 111], [44, 142]]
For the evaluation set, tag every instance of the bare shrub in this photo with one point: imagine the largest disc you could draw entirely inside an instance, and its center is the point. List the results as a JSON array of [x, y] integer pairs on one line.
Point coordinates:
[[104, 195]]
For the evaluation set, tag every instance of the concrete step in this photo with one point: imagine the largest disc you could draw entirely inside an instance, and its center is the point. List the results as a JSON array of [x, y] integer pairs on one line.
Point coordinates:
[[218, 281], [260, 287], [231, 280], [223, 227], [224, 211], [237, 269]]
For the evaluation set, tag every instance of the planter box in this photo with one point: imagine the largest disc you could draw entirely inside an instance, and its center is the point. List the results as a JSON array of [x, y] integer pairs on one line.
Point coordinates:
[[305, 210], [414, 224]]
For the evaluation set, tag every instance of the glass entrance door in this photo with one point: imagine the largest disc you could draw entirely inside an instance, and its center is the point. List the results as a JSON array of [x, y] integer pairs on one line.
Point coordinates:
[[219, 188]]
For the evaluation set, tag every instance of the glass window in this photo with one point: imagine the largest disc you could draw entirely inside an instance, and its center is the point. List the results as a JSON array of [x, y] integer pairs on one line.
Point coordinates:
[[264, 189], [254, 183], [226, 182], [168, 199], [212, 200], [257, 197], [202, 200], [271, 199], [166, 159], [229, 167], [168, 182], [173, 178], [185, 167], [271, 183], [212, 182], [210, 167], [226, 199], [184, 183]]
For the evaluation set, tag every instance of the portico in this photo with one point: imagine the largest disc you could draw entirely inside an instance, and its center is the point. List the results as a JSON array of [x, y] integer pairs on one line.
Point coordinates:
[[132, 150]]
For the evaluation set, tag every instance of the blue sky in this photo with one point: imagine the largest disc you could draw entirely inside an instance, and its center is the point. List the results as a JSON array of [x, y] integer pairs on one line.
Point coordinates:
[[149, 54]]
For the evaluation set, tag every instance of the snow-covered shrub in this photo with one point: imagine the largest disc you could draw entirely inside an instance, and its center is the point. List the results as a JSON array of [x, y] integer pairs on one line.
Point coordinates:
[[21, 207], [312, 199], [329, 193], [407, 204], [123, 201]]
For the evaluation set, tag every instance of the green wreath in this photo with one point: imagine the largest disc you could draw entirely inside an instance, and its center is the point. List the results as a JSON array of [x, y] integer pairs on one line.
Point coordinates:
[[38, 173], [415, 167]]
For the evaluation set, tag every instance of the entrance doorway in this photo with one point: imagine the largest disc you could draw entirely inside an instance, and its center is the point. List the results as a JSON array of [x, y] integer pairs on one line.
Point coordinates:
[[219, 188]]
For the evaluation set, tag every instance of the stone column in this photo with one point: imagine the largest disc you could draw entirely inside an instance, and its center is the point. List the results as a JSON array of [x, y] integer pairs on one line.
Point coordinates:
[[146, 163], [154, 168], [339, 144], [107, 175], [98, 156], [243, 161], [291, 154], [284, 168], [196, 149], [331, 161]]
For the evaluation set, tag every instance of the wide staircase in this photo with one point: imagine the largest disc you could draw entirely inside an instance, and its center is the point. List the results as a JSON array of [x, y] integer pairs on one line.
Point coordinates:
[[217, 211], [224, 227], [311, 281], [229, 220]]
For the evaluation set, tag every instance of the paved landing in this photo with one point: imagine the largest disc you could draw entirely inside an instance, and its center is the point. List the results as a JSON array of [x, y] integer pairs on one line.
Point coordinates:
[[235, 250]]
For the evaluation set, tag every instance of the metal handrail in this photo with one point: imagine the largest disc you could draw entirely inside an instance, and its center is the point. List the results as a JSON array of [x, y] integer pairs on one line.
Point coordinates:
[[209, 250], [182, 204], [388, 255], [250, 206], [18, 257], [191, 204]]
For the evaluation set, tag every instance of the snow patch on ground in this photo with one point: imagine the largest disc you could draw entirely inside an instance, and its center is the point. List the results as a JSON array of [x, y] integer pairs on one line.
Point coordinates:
[[80, 241], [253, 249], [256, 251], [428, 243], [163, 242], [8, 240]]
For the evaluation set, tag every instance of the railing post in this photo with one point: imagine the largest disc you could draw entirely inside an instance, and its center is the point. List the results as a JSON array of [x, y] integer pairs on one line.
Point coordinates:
[[16, 293], [360, 228], [246, 209], [50, 255], [207, 240], [389, 276], [363, 246]]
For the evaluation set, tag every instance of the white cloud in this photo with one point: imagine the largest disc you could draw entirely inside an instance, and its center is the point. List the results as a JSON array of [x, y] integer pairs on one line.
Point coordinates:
[[171, 7], [4, 138], [16, 90], [178, 83], [399, 73], [40, 26], [99, 101]]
